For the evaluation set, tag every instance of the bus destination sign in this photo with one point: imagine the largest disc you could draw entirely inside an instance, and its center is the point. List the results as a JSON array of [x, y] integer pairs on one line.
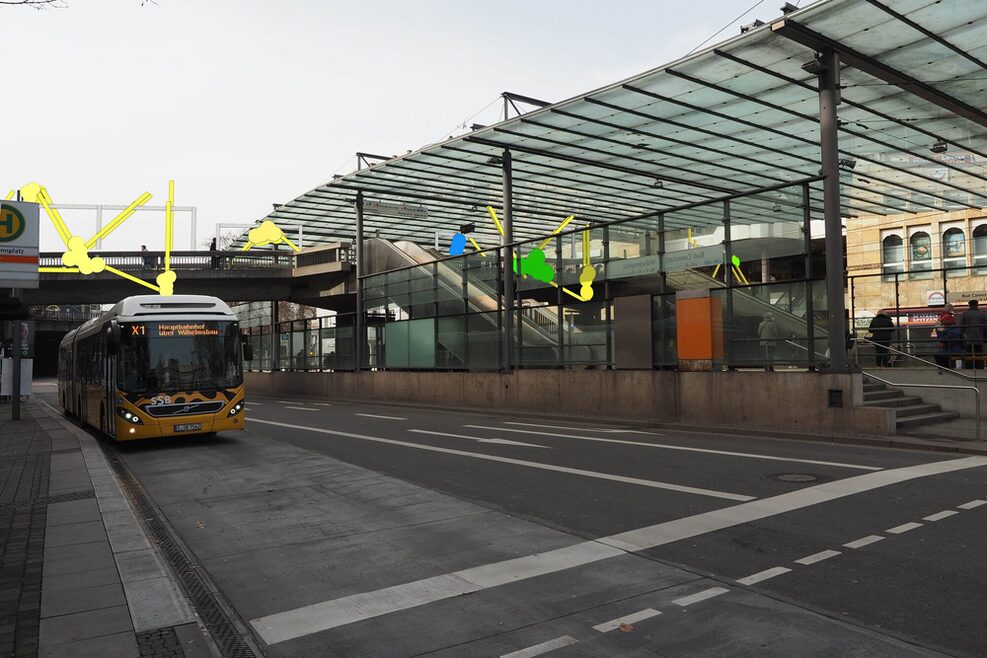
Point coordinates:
[[186, 329]]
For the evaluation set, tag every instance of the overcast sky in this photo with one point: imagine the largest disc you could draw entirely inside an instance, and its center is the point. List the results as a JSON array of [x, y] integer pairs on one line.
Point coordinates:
[[248, 102]]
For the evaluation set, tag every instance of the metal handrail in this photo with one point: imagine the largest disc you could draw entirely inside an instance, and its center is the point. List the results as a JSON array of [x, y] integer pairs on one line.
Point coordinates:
[[975, 390], [931, 363]]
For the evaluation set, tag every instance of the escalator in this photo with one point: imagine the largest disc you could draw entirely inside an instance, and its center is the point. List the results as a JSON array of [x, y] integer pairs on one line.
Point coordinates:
[[539, 326]]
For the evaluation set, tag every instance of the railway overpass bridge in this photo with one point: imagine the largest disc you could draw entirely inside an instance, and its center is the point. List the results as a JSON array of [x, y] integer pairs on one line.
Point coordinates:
[[318, 277]]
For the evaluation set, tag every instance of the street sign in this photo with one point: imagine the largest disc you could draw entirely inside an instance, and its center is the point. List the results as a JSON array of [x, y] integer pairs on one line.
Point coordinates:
[[18, 244], [403, 210]]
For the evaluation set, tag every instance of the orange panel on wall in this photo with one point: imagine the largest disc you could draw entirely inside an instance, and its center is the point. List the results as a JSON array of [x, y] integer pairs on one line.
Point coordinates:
[[699, 325]]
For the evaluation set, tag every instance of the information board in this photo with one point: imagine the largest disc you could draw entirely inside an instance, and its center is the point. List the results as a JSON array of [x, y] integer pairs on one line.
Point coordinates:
[[19, 232]]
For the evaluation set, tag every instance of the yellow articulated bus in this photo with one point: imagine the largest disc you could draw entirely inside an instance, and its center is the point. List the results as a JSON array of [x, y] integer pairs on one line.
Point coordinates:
[[155, 367]]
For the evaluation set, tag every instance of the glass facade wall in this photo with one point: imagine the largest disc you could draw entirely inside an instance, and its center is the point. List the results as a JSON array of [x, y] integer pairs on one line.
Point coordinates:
[[749, 252]]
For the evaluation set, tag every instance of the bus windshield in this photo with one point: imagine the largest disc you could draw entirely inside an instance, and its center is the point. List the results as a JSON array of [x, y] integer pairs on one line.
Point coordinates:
[[180, 355]]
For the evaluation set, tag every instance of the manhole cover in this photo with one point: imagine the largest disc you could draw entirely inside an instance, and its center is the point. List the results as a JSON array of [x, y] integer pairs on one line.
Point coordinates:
[[796, 477]]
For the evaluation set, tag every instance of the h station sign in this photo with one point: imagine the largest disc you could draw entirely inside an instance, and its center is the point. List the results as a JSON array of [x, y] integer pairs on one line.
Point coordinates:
[[19, 235]]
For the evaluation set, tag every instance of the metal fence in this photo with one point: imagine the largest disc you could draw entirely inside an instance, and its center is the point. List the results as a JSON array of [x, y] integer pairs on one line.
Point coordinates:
[[187, 260]]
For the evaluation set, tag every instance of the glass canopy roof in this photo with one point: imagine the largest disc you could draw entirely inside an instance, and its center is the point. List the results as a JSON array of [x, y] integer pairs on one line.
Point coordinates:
[[732, 119]]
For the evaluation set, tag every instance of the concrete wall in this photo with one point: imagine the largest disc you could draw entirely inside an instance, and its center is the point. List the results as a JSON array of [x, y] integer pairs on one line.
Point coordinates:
[[962, 402], [781, 401]]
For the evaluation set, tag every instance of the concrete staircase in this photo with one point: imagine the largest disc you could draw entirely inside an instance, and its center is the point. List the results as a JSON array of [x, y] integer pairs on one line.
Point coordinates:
[[909, 411]]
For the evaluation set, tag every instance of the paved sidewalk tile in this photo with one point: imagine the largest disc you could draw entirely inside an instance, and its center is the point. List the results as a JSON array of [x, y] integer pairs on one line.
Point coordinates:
[[52, 586], [81, 600], [82, 625], [73, 511], [120, 645], [76, 533]]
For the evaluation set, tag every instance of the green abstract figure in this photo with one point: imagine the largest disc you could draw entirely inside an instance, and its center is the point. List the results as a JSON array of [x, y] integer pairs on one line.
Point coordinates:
[[534, 265]]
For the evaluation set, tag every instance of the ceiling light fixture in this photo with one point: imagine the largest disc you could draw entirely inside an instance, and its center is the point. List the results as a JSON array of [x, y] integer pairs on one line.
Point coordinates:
[[939, 146], [814, 66], [847, 163], [658, 183]]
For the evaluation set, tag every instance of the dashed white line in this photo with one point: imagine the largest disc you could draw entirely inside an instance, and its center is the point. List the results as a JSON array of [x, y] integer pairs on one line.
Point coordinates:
[[641, 615], [253, 404], [972, 504], [302, 408], [480, 439], [939, 516], [817, 557], [663, 446], [763, 575], [864, 541], [288, 401], [700, 596], [382, 417], [544, 647], [904, 527], [322, 404]]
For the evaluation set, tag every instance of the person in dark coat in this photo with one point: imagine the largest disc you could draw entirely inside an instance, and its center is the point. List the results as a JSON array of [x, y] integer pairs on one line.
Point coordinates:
[[974, 326], [882, 329], [214, 260], [950, 341]]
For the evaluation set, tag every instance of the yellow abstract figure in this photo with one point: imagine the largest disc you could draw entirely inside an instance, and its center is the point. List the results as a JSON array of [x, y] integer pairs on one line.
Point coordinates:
[[78, 256], [267, 233], [166, 282], [586, 283]]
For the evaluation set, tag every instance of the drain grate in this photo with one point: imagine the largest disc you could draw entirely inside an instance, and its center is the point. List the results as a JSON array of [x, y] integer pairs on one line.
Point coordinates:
[[221, 628]]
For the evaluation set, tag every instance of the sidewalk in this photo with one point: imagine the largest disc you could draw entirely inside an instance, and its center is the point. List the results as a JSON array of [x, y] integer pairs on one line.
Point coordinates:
[[78, 576]]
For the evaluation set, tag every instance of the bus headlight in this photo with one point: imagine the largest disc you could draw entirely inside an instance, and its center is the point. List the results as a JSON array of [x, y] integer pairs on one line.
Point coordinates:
[[129, 416], [237, 408]]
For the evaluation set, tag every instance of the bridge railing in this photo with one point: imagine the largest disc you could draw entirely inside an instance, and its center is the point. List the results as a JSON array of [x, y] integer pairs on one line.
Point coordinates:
[[186, 260], [71, 313]]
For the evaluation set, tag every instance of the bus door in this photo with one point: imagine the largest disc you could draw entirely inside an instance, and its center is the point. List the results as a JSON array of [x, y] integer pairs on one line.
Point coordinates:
[[110, 395]]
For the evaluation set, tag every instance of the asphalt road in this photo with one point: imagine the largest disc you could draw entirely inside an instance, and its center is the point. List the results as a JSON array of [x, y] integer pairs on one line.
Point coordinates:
[[358, 530]]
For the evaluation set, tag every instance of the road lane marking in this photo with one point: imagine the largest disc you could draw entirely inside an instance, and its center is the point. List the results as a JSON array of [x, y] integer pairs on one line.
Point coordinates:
[[700, 596], [521, 462], [302, 408], [252, 404], [972, 504], [641, 615], [322, 404], [382, 417], [663, 446], [559, 427], [939, 516], [904, 527], [326, 615], [864, 541], [818, 557], [763, 575], [288, 401], [505, 442], [544, 647]]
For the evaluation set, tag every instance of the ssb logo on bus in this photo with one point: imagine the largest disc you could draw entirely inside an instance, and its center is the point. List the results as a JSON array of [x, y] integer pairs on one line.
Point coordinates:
[[12, 223]]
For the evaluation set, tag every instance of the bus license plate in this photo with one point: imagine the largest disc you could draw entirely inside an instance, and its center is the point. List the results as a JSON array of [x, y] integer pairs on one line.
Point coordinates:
[[191, 427]]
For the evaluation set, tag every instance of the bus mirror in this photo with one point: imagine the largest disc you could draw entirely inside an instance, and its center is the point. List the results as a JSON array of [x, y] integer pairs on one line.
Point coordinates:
[[248, 352], [112, 337]]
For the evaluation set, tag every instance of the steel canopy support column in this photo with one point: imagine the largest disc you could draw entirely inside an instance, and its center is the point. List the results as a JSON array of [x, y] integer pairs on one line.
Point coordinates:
[[508, 259], [358, 327], [829, 98]]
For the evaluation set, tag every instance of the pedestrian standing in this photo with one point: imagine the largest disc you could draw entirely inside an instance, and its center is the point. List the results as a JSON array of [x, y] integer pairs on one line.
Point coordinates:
[[974, 326], [214, 260], [882, 329], [767, 331], [146, 258]]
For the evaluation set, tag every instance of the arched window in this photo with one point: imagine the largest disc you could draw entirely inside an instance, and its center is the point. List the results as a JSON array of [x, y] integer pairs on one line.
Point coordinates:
[[893, 256], [954, 252], [921, 255], [980, 247]]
